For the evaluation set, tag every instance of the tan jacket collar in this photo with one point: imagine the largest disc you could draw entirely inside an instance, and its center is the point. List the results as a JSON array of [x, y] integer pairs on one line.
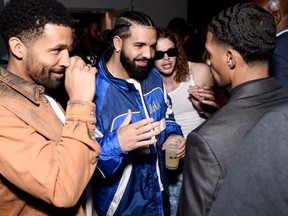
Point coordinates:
[[27, 89]]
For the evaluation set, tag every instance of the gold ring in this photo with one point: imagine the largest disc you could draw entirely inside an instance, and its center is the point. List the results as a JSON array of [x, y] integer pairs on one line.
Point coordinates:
[[86, 65], [89, 66]]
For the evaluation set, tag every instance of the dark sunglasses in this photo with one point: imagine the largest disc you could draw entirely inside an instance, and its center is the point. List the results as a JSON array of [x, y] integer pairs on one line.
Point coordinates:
[[170, 52]]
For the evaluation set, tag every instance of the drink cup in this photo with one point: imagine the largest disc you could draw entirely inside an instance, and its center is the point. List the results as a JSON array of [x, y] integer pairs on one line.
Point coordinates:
[[171, 160]]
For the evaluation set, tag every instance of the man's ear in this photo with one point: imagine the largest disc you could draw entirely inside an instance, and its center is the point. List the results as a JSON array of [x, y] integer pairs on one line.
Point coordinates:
[[276, 16], [231, 58], [117, 42], [17, 47]]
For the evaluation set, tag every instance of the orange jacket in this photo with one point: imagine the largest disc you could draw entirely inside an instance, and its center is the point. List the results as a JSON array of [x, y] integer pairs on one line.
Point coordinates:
[[43, 164]]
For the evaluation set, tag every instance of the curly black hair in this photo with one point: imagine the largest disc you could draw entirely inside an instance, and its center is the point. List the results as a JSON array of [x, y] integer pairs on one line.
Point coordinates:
[[26, 19], [247, 28]]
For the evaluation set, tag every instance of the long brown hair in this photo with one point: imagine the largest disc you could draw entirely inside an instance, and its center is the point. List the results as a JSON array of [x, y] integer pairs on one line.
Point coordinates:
[[181, 67]]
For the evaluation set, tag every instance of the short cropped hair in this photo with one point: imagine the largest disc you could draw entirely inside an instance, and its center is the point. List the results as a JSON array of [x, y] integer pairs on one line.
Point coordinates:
[[26, 19], [129, 18], [246, 28]]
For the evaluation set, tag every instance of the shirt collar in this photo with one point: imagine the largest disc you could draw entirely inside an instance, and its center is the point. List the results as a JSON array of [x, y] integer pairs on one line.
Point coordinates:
[[281, 32]]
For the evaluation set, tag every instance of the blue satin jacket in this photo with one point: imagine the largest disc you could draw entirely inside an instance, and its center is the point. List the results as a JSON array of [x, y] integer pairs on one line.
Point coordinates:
[[130, 183]]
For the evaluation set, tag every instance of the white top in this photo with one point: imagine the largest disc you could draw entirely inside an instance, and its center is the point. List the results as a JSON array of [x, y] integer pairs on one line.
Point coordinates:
[[184, 112]]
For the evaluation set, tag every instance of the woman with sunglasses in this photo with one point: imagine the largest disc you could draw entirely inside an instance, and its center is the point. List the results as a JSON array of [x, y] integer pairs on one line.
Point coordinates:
[[178, 74]]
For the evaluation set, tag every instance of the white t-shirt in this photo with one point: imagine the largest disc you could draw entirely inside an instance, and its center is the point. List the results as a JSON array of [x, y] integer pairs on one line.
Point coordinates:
[[184, 112]]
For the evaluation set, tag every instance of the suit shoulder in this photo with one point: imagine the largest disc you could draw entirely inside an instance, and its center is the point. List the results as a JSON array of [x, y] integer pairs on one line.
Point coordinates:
[[282, 108]]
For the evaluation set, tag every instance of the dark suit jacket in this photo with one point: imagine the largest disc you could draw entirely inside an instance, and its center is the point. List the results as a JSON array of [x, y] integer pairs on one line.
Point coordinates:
[[210, 148], [279, 61], [256, 184]]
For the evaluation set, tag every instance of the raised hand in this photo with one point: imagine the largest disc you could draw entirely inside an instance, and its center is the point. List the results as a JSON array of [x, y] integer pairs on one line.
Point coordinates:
[[208, 95], [195, 97], [134, 135], [80, 80]]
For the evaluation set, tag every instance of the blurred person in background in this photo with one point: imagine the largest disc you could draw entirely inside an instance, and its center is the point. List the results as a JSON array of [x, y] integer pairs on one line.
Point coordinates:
[[278, 67]]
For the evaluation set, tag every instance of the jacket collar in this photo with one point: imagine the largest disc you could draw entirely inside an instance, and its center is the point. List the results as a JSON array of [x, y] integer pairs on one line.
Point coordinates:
[[27, 89], [255, 87], [107, 75]]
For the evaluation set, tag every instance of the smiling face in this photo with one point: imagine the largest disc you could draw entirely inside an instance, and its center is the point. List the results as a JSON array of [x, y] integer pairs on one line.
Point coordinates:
[[167, 64], [46, 58], [138, 51]]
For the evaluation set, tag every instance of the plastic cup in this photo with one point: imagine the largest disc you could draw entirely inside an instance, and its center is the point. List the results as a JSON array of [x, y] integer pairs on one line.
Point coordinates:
[[171, 160]]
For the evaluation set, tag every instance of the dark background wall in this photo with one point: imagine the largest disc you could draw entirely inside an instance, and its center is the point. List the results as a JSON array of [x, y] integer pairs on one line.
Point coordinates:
[[160, 10], [3, 51], [200, 15]]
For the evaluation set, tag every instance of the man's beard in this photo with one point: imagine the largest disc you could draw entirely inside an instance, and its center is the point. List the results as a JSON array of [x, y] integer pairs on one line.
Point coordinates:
[[138, 73], [53, 84], [42, 77]]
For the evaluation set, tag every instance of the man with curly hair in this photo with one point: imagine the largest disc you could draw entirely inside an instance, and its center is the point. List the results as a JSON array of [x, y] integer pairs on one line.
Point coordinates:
[[46, 157]]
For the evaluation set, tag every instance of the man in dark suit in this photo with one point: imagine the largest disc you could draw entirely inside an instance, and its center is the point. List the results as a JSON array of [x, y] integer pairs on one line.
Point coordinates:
[[256, 184], [240, 42], [279, 60]]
